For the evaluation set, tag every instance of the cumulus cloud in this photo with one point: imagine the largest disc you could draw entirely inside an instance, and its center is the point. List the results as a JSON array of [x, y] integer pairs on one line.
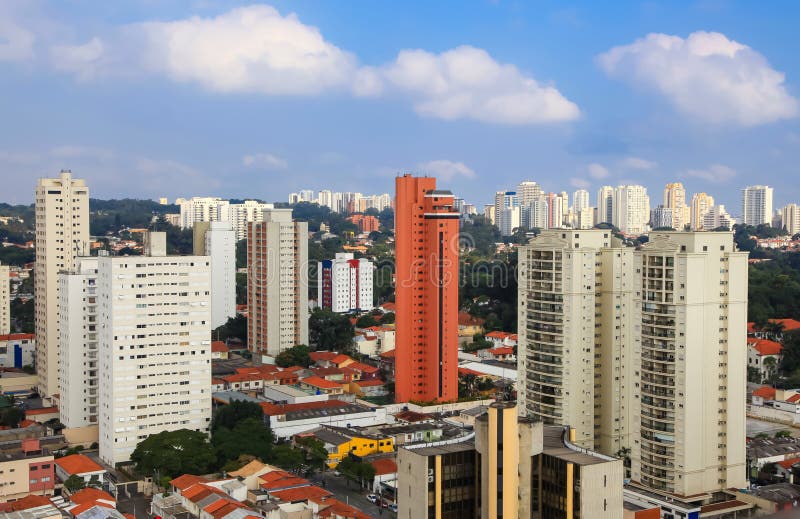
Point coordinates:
[[579, 183], [717, 173], [264, 161], [597, 171], [16, 42], [467, 83], [447, 169], [638, 163], [706, 76]]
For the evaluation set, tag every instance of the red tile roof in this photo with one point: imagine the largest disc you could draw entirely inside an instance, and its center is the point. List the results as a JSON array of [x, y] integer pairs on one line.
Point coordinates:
[[788, 325], [321, 383], [17, 337], [41, 410], [370, 383], [388, 354], [242, 377], [90, 495], [384, 466], [280, 479], [363, 368], [388, 306], [502, 350], [187, 480], [337, 508], [411, 416], [765, 347], [294, 495], [766, 392], [322, 355], [498, 335], [793, 399], [83, 507], [219, 347], [787, 464], [466, 319], [24, 503], [467, 371], [78, 464]]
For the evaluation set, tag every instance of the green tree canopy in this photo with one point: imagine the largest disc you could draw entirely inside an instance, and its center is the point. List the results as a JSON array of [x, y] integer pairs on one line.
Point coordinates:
[[173, 453], [328, 330], [365, 321], [296, 356], [236, 411], [249, 436]]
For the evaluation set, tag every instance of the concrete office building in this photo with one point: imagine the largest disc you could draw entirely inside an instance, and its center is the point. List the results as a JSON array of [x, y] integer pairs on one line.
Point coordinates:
[[79, 329], [675, 199], [62, 234], [631, 209], [344, 284], [426, 297], [5, 300], [577, 324], [689, 431], [757, 205], [277, 284], [155, 346], [217, 240], [701, 205]]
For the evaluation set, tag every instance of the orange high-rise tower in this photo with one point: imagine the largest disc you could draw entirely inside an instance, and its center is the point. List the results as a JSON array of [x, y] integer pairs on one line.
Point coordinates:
[[426, 292]]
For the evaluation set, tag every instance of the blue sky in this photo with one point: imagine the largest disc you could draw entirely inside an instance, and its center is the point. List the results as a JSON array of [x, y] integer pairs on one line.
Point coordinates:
[[168, 98]]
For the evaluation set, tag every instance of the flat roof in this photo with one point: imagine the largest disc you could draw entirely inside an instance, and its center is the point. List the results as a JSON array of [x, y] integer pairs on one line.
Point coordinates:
[[447, 448]]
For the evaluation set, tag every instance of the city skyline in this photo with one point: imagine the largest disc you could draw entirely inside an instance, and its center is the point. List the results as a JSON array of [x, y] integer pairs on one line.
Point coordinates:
[[592, 124]]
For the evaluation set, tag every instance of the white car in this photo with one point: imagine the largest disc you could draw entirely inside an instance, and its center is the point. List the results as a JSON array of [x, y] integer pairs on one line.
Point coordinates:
[[393, 507], [372, 498]]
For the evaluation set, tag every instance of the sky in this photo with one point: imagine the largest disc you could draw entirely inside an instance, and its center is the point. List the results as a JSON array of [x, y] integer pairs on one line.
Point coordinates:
[[180, 98]]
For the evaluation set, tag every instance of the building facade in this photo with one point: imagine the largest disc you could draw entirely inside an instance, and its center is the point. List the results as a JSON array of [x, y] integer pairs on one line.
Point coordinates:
[[78, 377], [217, 240], [426, 293], [155, 346], [344, 284], [277, 284], [239, 215], [701, 205], [631, 209], [203, 209], [605, 205], [717, 217], [62, 234], [675, 199], [5, 300], [17, 350], [790, 219], [757, 205]]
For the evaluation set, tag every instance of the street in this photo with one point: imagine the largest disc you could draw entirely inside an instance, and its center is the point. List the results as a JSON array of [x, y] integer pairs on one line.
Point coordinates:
[[353, 495]]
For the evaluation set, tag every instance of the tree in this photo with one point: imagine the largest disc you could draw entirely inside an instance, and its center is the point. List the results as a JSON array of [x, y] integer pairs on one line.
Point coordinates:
[[366, 321], [11, 416], [296, 356], [330, 331], [249, 436], [790, 359], [356, 470], [770, 365], [388, 318], [783, 434], [74, 483], [229, 416], [316, 454], [753, 375], [173, 453], [235, 327], [287, 457]]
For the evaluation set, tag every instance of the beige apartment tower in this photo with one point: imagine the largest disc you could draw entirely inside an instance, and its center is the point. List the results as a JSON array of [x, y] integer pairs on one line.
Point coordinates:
[[577, 340], [5, 300], [62, 234], [277, 283], [689, 427], [675, 199]]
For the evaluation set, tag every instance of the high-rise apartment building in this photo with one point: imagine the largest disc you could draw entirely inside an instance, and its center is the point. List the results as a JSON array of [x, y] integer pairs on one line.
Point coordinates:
[[155, 346], [757, 205], [690, 427], [662, 217], [62, 234], [790, 219], [555, 211], [577, 319], [426, 293], [631, 209], [217, 240], [717, 217], [605, 205], [701, 204], [527, 191], [344, 284], [79, 330], [203, 209], [675, 199], [580, 200], [239, 215], [506, 211], [537, 213], [277, 284], [5, 300]]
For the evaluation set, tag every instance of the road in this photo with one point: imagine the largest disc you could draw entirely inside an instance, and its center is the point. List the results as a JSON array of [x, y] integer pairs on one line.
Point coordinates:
[[352, 494]]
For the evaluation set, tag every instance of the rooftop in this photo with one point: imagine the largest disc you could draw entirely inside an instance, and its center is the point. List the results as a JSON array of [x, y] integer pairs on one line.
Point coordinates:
[[78, 464]]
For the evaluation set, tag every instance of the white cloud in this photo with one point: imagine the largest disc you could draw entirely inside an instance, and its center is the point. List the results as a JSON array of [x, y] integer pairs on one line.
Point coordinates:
[[16, 42], [638, 163], [467, 83], [446, 169], [706, 76], [264, 161], [579, 183], [597, 171], [717, 173]]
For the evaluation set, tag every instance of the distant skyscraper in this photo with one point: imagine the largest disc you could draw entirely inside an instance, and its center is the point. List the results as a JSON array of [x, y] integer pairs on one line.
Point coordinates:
[[62, 234], [675, 199], [701, 204], [528, 191], [506, 211], [155, 361], [757, 205], [203, 209], [555, 211], [662, 217], [239, 215], [5, 300], [217, 240], [790, 219], [277, 285], [426, 294], [344, 284], [631, 209], [605, 205], [580, 200], [717, 217]]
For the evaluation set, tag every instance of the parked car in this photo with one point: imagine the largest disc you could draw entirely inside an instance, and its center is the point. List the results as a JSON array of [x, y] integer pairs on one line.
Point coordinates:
[[372, 498], [393, 507]]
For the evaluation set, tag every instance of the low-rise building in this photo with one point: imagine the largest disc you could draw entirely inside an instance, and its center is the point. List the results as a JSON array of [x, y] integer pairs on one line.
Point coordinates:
[[17, 350], [290, 419], [25, 468], [81, 466], [341, 442], [500, 353], [763, 355]]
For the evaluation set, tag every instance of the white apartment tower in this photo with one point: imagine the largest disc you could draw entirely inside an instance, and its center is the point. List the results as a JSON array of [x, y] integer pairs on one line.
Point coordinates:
[[344, 284], [506, 211], [241, 214], [757, 205], [203, 209], [62, 234], [577, 334], [631, 209], [701, 204], [5, 300], [527, 191], [790, 218], [79, 329], [605, 205], [675, 199], [689, 434], [217, 240], [155, 346], [717, 217], [580, 200], [277, 283]]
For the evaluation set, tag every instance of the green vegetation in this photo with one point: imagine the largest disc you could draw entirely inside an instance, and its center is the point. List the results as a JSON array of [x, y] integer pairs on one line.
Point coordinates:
[[480, 235], [366, 321], [173, 453], [774, 288], [358, 471], [111, 216], [74, 483], [22, 314], [295, 356], [330, 331], [235, 327], [489, 290]]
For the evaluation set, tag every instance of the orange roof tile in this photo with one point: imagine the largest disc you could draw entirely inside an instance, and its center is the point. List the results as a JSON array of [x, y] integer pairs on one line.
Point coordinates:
[[765, 347], [384, 466], [467, 371], [83, 507], [78, 464], [388, 354], [187, 480], [41, 410], [364, 368], [24, 503], [498, 335], [370, 383], [502, 350], [322, 355], [389, 306], [17, 337], [280, 479], [219, 347], [787, 464], [321, 383], [294, 495], [793, 399], [89, 494], [466, 319], [766, 392]]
